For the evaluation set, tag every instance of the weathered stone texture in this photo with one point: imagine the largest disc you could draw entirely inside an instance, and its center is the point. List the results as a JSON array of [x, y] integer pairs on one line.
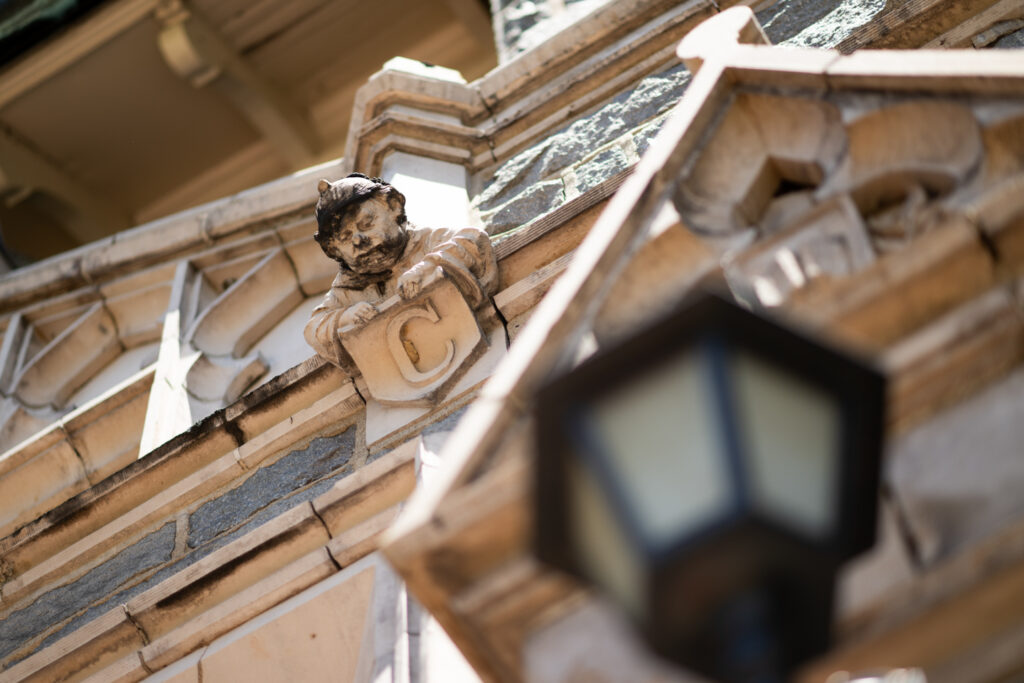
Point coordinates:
[[522, 188], [952, 491], [436, 434], [268, 484], [816, 23], [643, 137], [263, 516], [51, 608], [537, 200], [603, 166], [510, 196], [269, 492]]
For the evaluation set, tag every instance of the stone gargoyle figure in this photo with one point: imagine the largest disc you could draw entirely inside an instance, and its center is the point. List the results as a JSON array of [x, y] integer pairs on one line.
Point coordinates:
[[361, 224]]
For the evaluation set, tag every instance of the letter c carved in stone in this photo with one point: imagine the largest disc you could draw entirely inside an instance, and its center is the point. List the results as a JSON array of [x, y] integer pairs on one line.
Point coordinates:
[[400, 349]]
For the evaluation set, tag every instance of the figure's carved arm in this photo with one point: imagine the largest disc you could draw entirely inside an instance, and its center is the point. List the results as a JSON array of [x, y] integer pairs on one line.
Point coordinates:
[[466, 258], [332, 315], [321, 330]]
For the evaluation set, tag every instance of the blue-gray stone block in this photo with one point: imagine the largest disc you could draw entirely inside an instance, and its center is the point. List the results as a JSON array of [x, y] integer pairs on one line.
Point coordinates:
[[537, 200], [602, 167], [643, 137], [1011, 40], [263, 516], [515, 174], [816, 23], [434, 435], [57, 605], [521, 16], [269, 484], [786, 18], [651, 97]]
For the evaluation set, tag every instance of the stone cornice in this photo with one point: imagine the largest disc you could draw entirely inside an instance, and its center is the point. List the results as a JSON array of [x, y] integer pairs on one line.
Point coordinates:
[[488, 120]]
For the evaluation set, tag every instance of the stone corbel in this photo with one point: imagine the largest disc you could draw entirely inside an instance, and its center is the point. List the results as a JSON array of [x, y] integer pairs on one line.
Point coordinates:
[[223, 380], [197, 53], [205, 359], [757, 154], [415, 351]]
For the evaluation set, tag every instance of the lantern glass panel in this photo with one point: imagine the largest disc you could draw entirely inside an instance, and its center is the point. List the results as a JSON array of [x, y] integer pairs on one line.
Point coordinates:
[[663, 440], [603, 547], [790, 431]]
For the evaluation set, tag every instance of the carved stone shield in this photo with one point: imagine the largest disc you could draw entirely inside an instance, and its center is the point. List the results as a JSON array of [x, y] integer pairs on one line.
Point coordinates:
[[414, 351]]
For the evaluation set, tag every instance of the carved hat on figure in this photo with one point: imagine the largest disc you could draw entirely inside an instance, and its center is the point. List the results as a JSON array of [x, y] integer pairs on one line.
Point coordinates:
[[361, 223]]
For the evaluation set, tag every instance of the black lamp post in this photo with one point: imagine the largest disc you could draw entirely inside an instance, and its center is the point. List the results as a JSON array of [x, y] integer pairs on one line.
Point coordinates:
[[711, 474]]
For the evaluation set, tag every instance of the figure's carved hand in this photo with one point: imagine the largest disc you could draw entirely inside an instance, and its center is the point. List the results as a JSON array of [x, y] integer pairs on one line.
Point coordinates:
[[358, 314], [417, 278]]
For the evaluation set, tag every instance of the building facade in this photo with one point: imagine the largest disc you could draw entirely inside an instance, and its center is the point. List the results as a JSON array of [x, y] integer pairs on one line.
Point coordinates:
[[190, 493]]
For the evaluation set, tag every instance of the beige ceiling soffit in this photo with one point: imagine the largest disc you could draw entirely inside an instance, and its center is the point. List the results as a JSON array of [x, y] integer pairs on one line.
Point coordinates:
[[55, 55], [22, 170], [259, 155], [197, 53], [476, 20]]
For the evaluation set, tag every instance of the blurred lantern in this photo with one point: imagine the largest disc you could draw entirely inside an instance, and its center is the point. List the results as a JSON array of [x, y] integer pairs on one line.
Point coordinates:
[[711, 474]]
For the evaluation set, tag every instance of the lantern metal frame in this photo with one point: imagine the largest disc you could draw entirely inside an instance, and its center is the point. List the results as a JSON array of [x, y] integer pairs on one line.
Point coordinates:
[[743, 546]]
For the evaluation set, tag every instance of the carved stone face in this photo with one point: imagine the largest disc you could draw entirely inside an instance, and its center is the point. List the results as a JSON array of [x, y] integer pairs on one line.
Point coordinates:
[[369, 238]]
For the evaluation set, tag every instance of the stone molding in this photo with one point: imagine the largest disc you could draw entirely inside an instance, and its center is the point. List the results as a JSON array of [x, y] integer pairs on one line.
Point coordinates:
[[892, 299], [267, 566], [239, 421]]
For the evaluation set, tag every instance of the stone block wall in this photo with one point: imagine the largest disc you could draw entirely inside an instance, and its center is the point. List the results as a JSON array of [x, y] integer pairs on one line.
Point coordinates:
[[520, 25], [239, 507], [816, 23], [593, 148]]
